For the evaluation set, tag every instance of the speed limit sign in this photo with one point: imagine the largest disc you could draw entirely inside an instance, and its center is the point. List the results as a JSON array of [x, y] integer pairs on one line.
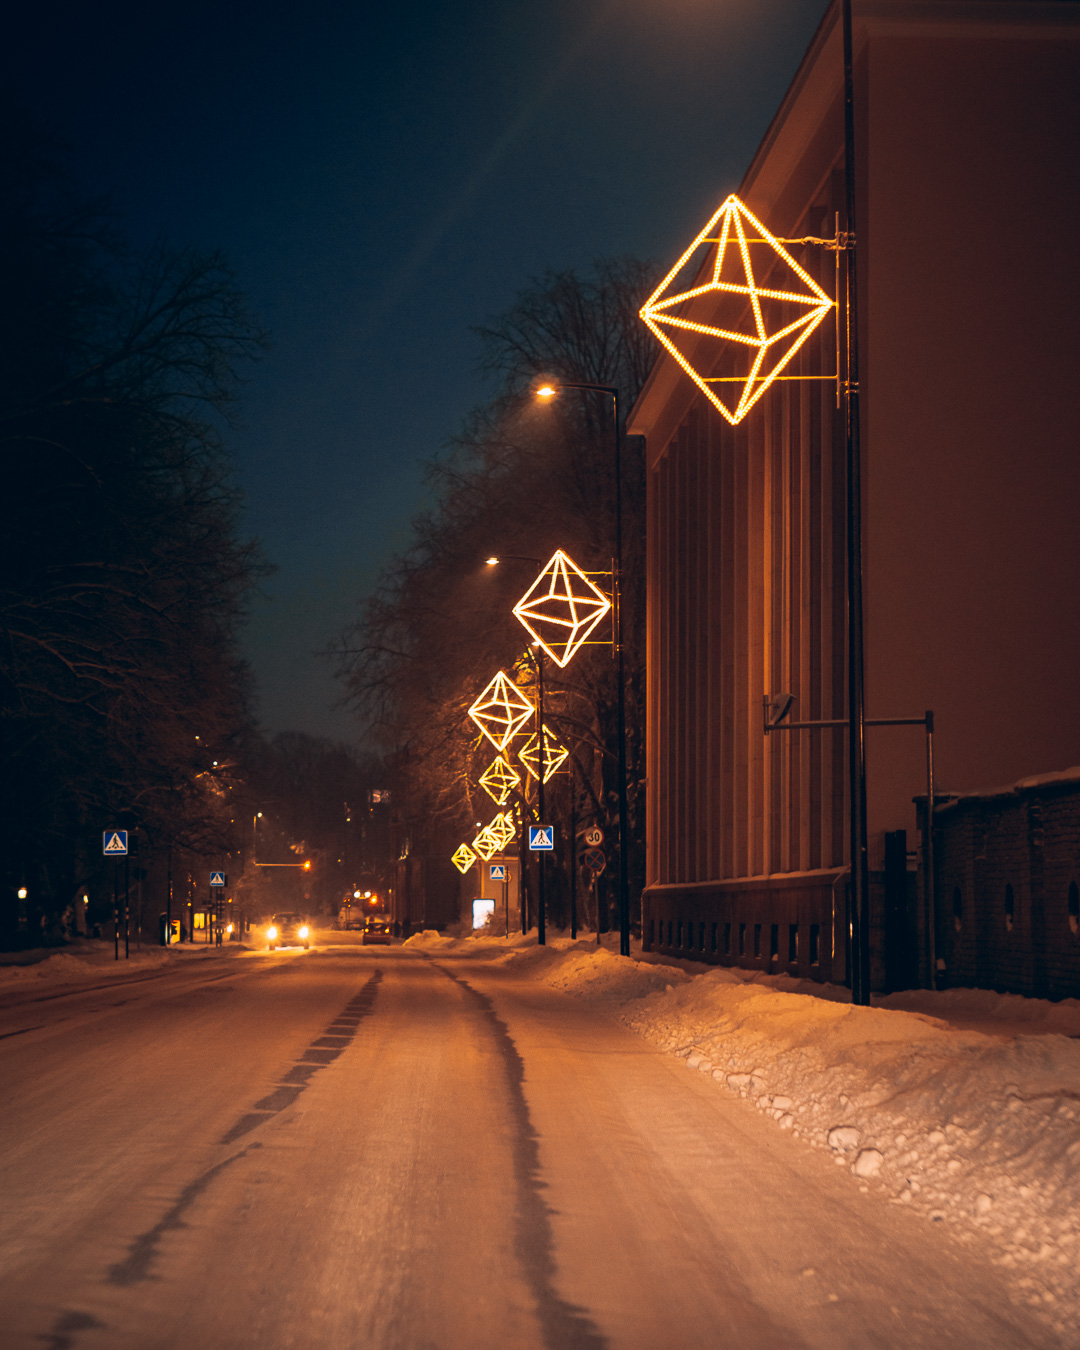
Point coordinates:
[[594, 836]]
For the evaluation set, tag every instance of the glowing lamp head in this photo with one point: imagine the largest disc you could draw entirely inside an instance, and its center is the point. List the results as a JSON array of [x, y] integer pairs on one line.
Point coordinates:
[[307, 867], [491, 562], [304, 931], [271, 932], [356, 895], [545, 391]]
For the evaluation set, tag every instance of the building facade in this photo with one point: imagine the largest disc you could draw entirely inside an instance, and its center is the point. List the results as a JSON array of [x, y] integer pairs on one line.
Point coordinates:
[[967, 199]]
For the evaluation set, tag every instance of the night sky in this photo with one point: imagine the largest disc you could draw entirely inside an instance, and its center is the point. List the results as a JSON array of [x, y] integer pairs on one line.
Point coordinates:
[[382, 179]]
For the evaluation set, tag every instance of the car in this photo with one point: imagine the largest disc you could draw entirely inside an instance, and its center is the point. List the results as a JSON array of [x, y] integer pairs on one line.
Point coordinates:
[[288, 930], [376, 931]]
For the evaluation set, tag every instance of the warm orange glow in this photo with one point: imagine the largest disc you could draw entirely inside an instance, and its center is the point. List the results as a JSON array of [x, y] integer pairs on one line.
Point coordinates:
[[545, 391], [499, 779], [463, 858], [733, 275], [561, 608], [491, 562], [554, 755], [307, 867], [501, 711]]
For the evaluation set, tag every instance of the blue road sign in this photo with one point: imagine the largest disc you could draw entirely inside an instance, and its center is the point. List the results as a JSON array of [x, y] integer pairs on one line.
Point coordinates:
[[217, 878], [541, 838], [114, 843], [498, 871]]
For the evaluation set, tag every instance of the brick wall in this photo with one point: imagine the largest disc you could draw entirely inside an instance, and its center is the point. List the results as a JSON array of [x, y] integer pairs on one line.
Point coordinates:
[[1007, 877]]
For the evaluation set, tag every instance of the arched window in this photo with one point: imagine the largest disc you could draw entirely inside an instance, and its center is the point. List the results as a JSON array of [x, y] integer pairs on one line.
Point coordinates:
[[1010, 908], [957, 908], [1074, 907]]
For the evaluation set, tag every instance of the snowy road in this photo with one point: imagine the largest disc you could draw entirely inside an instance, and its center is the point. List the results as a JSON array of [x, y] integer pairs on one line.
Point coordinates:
[[370, 1147]]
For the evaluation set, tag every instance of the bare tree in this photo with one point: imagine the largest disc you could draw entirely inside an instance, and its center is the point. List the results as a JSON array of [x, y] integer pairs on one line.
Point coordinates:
[[521, 479]]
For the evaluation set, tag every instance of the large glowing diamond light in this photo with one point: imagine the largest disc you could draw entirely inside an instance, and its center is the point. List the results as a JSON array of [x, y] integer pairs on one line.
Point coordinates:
[[501, 711], [561, 608], [499, 779], [757, 329], [554, 755]]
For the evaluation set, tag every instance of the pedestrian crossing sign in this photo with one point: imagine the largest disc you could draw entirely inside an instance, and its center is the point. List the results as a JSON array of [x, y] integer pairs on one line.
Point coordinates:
[[541, 838], [498, 871], [114, 843], [217, 878]]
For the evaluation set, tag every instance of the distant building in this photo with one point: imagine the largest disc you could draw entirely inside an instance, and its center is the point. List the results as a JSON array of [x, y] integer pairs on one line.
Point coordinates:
[[967, 117]]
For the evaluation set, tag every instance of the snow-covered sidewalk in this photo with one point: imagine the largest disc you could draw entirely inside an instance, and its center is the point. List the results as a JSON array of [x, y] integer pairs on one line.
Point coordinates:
[[963, 1105]]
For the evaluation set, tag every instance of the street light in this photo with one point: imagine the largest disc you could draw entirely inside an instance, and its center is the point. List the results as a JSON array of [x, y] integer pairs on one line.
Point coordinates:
[[541, 908], [549, 391]]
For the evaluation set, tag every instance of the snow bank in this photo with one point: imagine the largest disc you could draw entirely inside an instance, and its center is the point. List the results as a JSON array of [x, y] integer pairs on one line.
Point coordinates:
[[974, 1128], [70, 967]]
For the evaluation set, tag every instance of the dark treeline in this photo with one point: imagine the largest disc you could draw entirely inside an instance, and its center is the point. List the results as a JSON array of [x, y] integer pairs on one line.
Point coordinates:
[[123, 572], [522, 479]]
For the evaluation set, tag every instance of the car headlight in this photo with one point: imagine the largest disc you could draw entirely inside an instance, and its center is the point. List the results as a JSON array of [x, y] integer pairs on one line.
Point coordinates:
[[304, 931], [271, 933]]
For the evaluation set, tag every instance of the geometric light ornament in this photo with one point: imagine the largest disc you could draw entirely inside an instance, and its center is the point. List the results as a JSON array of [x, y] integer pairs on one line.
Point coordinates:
[[500, 711], [503, 828], [561, 608], [732, 322], [463, 858], [554, 755], [499, 779], [485, 843]]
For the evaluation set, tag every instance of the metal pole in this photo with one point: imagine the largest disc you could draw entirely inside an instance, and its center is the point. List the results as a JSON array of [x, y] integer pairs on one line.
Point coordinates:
[[573, 856], [127, 907], [928, 855], [860, 866], [116, 911], [541, 917], [616, 577], [168, 900]]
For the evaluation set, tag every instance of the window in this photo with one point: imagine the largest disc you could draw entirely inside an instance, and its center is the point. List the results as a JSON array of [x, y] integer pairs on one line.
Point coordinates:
[[957, 908], [678, 930], [652, 931], [669, 932], [774, 942], [1074, 907], [712, 938], [1010, 908], [727, 939], [742, 939], [757, 941], [701, 936], [815, 943], [793, 944]]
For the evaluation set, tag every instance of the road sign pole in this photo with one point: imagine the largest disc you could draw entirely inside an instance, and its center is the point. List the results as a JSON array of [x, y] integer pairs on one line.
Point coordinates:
[[573, 859], [116, 913], [127, 908], [541, 915]]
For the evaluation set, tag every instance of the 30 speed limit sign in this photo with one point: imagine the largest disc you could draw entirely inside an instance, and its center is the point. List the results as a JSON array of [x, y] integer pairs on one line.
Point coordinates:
[[594, 836]]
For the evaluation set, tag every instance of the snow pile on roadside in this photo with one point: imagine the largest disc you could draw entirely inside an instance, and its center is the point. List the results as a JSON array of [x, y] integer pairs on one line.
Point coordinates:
[[430, 940], [69, 967], [978, 1131]]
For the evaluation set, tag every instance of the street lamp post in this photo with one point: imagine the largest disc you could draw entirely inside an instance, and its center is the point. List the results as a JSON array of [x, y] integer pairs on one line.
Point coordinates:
[[548, 391], [541, 911]]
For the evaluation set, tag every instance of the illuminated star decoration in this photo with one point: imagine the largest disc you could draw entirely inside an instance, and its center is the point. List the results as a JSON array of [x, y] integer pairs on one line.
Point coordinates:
[[463, 858], [499, 779], [769, 325], [501, 711], [554, 754], [561, 608]]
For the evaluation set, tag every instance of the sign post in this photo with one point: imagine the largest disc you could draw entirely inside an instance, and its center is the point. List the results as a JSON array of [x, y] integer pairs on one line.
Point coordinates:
[[114, 844], [218, 882]]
